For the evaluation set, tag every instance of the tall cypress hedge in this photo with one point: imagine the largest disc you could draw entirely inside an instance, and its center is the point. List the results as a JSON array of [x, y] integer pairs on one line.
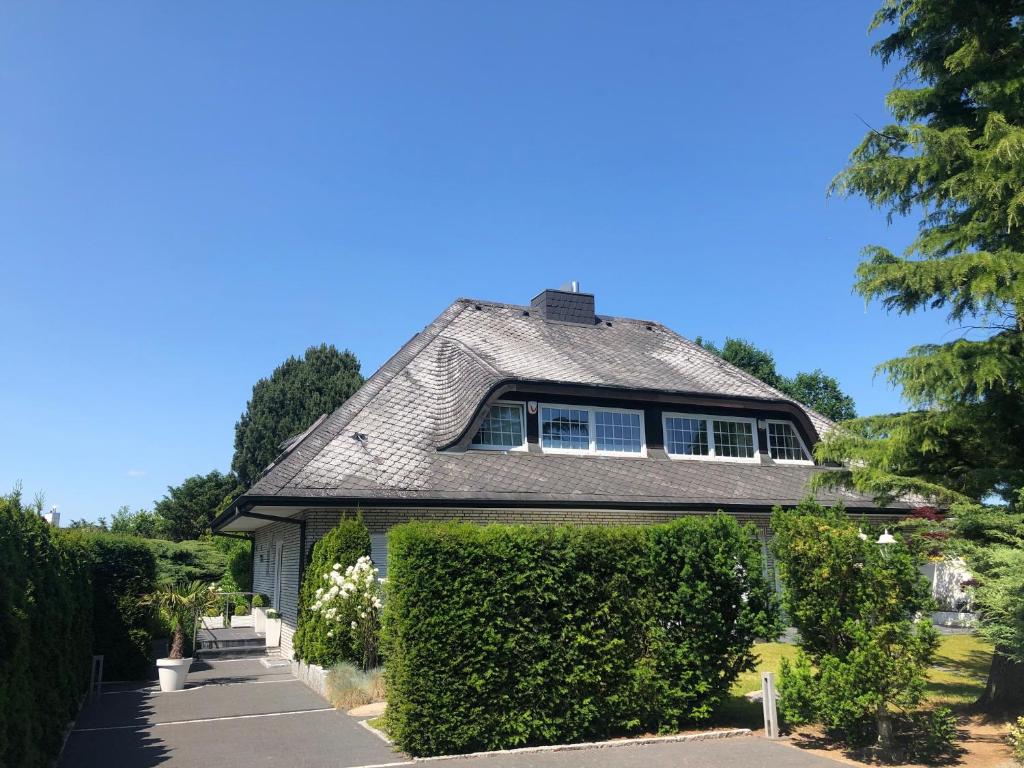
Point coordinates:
[[344, 544], [45, 634], [503, 636], [123, 569]]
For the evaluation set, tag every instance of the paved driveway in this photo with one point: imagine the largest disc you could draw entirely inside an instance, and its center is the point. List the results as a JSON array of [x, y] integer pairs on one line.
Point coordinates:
[[234, 714], [240, 714]]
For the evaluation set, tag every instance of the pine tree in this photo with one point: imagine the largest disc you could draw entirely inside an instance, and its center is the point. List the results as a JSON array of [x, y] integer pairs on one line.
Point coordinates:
[[954, 157]]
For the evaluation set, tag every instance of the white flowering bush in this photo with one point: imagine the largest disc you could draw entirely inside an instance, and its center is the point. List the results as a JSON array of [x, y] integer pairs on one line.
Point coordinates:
[[352, 597]]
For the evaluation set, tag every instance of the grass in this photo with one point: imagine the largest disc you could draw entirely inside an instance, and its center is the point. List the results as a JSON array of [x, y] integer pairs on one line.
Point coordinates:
[[348, 686], [957, 677]]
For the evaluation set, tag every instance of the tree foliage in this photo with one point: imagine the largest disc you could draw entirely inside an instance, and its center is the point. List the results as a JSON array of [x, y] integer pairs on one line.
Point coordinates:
[[141, 522], [298, 392], [814, 389], [187, 510], [954, 156]]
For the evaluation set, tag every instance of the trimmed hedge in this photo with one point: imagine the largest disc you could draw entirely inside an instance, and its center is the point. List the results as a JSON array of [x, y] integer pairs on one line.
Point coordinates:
[[504, 636], [45, 634], [345, 543], [123, 569]]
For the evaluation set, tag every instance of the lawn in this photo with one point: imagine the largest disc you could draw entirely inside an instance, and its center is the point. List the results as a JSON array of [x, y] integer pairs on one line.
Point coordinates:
[[956, 678]]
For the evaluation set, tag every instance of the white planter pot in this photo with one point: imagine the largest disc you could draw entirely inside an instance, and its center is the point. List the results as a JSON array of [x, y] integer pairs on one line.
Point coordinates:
[[173, 673], [259, 620], [213, 622], [242, 621], [273, 633]]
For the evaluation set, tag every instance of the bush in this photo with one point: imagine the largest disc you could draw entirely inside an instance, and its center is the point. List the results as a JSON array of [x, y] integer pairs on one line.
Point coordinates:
[[348, 686], [344, 544], [45, 634], [1017, 740], [863, 656], [187, 561], [259, 601], [241, 609], [503, 636], [123, 569]]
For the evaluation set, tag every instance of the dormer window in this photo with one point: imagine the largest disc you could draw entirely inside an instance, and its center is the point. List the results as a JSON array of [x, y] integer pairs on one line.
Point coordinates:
[[503, 428], [576, 429], [696, 436], [785, 444]]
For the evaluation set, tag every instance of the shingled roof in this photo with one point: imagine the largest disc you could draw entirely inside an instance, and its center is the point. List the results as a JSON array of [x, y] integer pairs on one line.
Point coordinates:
[[391, 440]]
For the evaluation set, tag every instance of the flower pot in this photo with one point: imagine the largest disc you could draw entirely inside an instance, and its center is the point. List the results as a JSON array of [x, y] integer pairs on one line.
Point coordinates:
[[173, 673], [259, 619], [273, 633]]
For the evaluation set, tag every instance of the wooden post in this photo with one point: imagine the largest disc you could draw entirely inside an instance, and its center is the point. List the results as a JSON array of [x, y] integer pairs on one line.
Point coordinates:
[[768, 702]]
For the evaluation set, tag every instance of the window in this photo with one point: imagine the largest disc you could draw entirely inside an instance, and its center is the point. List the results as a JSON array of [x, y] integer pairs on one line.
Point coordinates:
[[565, 429], [502, 428], [574, 429], [733, 439], [618, 431], [697, 436], [686, 437], [784, 443]]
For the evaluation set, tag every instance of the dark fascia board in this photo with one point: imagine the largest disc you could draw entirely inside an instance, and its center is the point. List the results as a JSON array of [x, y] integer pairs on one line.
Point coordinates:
[[666, 397], [453, 503]]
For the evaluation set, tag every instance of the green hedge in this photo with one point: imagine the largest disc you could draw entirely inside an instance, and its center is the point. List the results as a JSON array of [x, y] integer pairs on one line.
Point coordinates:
[[45, 634], [123, 569], [345, 543], [504, 636]]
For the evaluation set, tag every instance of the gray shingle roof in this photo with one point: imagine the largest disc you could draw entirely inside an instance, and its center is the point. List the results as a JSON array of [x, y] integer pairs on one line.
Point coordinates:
[[426, 396]]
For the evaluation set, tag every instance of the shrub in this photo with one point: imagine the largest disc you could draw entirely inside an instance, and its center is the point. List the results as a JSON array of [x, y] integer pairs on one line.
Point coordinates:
[[186, 561], [350, 599], [241, 609], [1016, 740], [45, 633], [502, 636], [348, 686], [259, 601], [344, 544], [123, 569], [863, 656]]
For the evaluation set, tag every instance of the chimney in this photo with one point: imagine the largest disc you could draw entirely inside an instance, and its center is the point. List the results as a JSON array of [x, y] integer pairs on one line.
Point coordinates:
[[565, 305]]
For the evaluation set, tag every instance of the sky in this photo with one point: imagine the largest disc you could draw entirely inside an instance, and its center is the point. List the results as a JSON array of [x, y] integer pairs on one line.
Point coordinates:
[[192, 192]]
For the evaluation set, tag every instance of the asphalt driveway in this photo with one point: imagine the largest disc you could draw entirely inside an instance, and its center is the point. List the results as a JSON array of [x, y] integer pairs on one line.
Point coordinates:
[[234, 714], [240, 714]]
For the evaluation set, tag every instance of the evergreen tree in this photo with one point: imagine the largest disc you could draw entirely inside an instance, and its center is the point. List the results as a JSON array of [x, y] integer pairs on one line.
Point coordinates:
[[187, 510], [954, 156], [298, 392]]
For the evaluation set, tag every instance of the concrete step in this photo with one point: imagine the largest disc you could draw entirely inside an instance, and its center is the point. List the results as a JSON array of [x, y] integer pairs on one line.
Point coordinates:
[[236, 642], [237, 652]]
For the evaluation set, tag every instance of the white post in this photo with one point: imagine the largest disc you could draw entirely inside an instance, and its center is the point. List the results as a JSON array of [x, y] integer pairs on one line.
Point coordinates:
[[771, 711]]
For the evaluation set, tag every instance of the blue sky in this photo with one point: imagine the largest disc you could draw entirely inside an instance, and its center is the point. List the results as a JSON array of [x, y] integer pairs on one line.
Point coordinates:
[[191, 192]]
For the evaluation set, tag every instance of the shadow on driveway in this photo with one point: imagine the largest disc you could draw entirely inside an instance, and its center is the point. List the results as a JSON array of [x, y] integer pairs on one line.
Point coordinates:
[[236, 713]]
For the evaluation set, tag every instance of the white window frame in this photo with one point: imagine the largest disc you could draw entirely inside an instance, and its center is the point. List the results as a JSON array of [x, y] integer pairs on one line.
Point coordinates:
[[591, 431], [522, 447], [803, 445], [707, 418]]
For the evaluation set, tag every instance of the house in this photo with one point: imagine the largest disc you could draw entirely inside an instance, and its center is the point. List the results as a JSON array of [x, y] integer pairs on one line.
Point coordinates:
[[541, 413]]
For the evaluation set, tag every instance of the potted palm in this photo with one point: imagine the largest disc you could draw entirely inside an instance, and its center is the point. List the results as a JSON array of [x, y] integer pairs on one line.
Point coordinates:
[[180, 605]]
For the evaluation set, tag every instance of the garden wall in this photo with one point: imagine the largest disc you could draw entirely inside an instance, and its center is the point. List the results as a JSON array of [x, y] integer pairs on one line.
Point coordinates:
[[502, 636]]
